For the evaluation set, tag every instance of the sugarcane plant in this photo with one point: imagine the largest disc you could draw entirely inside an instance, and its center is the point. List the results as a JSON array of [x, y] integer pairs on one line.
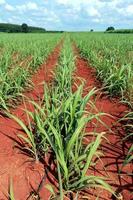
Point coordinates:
[[128, 123], [111, 55], [22, 56], [58, 127]]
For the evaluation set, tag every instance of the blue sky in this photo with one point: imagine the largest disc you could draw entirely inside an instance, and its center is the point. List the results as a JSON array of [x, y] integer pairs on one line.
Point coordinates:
[[71, 15]]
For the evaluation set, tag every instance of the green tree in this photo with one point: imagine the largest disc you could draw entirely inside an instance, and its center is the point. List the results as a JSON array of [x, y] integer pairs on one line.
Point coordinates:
[[24, 28], [110, 28]]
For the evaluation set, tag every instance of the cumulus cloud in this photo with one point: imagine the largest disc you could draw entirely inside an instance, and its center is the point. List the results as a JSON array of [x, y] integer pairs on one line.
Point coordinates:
[[27, 6], [126, 11], [9, 7], [129, 10], [31, 6], [93, 12], [96, 20], [85, 3], [70, 14], [2, 2]]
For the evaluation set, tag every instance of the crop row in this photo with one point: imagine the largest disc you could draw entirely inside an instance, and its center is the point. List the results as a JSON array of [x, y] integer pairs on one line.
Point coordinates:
[[112, 56], [58, 128], [20, 57]]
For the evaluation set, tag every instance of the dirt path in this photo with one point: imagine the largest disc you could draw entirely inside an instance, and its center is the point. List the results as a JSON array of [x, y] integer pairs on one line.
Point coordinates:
[[114, 150], [25, 174]]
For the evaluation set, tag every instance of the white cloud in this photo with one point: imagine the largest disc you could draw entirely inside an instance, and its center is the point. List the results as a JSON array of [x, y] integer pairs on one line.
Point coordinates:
[[42, 12], [52, 17], [9, 7], [27, 6], [93, 12], [69, 14], [96, 4], [63, 1], [2, 2], [129, 9], [92, 7], [96, 20], [31, 6], [75, 3]]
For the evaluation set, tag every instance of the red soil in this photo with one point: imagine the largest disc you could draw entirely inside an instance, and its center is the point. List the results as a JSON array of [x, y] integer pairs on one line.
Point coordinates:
[[26, 174], [114, 149]]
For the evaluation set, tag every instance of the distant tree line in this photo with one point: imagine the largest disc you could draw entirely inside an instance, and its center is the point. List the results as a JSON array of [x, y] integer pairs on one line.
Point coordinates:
[[111, 29], [24, 28], [14, 28], [55, 31]]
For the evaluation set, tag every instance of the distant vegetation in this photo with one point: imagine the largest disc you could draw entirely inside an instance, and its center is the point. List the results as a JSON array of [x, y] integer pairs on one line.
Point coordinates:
[[24, 28], [122, 31], [14, 28], [113, 30], [110, 28]]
